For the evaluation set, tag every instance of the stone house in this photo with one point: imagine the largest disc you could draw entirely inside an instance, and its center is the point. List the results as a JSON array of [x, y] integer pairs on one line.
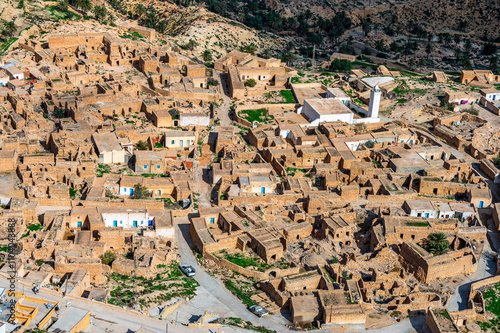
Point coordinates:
[[179, 139], [109, 148]]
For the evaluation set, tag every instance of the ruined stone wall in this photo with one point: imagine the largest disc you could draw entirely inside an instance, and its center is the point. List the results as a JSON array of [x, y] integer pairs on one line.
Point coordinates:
[[286, 199], [93, 269], [440, 188], [126, 203]]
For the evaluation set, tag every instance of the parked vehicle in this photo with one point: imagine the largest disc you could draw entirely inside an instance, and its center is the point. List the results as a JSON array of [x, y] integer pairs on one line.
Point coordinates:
[[258, 310], [187, 269]]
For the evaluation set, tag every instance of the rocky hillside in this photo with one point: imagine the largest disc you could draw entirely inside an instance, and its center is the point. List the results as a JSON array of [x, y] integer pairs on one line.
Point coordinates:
[[478, 18]]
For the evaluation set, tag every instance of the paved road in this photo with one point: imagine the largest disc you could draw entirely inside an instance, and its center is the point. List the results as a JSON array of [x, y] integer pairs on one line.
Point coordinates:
[[215, 287], [113, 318], [223, 111], [275, 322], [486, 268]]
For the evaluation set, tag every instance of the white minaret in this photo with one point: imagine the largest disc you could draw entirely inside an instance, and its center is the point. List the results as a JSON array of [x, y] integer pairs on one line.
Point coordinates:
[[375, 95]]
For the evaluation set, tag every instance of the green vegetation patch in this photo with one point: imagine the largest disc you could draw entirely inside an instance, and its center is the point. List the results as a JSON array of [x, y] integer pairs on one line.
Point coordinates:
[[238, 292], [258, 115], [5, 46], [492, 301], [288, 96], [58, 14], [170, 282], [132, 35], [244, 261], [417, 224], [234, 321]]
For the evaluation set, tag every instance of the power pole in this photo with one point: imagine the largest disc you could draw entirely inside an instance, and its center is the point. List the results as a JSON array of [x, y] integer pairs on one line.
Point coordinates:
[[314, 56]]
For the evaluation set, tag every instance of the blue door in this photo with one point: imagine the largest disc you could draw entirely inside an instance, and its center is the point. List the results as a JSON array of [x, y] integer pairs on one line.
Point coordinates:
[[426, 214], [481, 204], [131, 191], [262, 190], [115, 223], [134, 224], [212, 220], [78, 224]]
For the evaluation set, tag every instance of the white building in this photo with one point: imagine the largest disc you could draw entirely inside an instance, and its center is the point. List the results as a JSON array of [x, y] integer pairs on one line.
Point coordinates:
[[179, 139], [126, 218], [420, 208], [441, 210], [15, 73], [194, 119], [374, 106], [338, 94], [159, 220], [490, 94], [326, 110]]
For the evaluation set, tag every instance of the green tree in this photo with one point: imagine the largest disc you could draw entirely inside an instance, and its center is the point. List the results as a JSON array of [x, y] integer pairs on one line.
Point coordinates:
[[141, 192], [63, 5], [489, 49], [287, 57], [139, 10], [266, 54], [212, 82], [162, 26], [428, 49], [366, 25], [250, 83], [100, 13], [85, 5], [248, 48], [192, 44], [437, 243], [9, 26], [108, 257], [341, 65], [59, 113], [207, 56], [141, 145]]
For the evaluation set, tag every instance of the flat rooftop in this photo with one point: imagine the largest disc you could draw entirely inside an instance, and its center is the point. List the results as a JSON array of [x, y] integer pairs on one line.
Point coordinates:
[[69, 320], [328, 106]]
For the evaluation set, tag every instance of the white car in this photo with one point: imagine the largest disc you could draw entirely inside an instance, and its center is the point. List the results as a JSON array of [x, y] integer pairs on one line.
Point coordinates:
[[258, 310], [187, 269]]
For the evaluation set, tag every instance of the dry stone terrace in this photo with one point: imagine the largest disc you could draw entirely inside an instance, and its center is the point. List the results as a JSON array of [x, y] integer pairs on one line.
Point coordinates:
[[308, 201]]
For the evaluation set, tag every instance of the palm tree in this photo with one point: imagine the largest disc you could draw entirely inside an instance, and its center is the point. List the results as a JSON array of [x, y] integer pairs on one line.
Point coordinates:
[[85, 5], [162, 26], [266, 54], [139, 10], [437, 243], [287, 57], [10, 26], [411, 63], [366, 25], [207, 56], [63, 6], [421, 63]]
